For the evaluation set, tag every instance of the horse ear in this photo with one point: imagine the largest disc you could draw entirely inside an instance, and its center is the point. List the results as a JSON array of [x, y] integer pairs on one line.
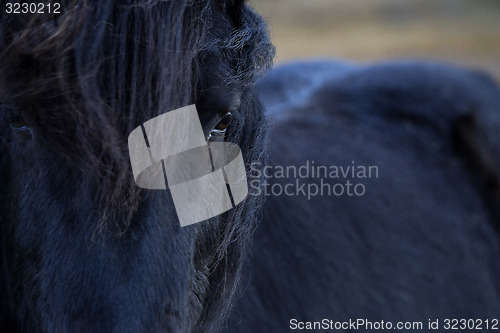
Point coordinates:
[[233, 8]]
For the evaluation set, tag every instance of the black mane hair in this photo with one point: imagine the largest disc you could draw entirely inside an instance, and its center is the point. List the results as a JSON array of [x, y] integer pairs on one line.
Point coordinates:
[[91, 76], [86, 79]]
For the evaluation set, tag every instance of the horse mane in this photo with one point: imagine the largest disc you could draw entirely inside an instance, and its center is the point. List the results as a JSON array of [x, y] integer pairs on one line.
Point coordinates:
[[89, 77]]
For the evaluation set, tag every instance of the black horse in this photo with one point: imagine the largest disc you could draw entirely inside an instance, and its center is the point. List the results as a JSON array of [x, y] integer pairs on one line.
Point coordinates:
[[83, 250], [419, 239]]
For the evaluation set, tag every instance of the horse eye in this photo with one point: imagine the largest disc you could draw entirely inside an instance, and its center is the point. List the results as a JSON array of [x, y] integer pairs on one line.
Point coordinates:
[[220, 129], [16, 120], [224, 122]]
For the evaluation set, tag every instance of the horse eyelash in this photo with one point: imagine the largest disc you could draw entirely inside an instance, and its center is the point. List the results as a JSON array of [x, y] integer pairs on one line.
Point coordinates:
[[220, 129]]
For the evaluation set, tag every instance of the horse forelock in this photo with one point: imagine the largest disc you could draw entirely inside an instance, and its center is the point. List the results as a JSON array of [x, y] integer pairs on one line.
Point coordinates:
[[87, 79]]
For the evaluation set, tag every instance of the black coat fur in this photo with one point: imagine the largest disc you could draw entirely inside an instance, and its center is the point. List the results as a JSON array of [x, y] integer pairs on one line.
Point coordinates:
[[423, 242]]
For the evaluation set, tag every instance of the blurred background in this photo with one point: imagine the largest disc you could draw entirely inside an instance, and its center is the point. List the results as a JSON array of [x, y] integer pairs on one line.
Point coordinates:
[[465, 32]]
